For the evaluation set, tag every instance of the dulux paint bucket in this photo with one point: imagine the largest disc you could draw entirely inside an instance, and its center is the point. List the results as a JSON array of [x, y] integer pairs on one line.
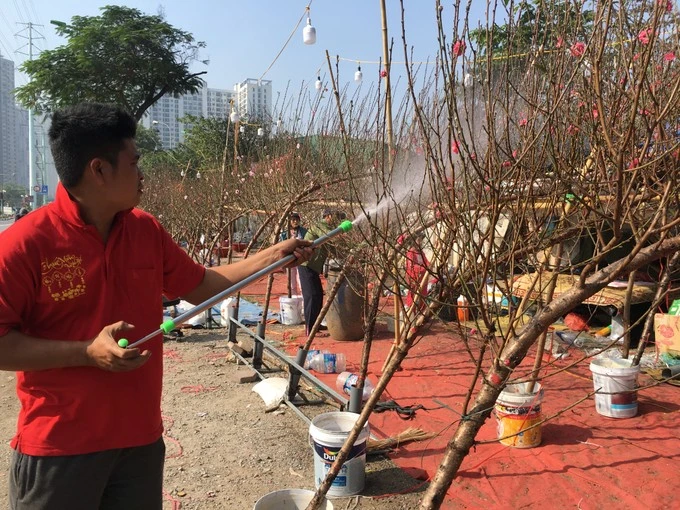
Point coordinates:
[[517, 409], [328, 432], [289, 499], [291, 310], [615, 381]]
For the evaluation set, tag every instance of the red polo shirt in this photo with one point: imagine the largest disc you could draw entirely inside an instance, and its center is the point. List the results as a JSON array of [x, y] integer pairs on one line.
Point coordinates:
[[58, 280]]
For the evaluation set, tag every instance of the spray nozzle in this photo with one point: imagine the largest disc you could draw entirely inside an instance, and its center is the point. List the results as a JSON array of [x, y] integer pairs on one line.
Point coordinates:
[[346, 226]]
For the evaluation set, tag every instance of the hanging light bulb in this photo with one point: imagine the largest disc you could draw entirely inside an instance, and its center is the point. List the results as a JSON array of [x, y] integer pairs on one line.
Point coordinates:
[[358, 75], [198, 175], [318, 83], [260, 132], [234, 117], [279, 122], [468, 80], [242, 129], [309, 32]]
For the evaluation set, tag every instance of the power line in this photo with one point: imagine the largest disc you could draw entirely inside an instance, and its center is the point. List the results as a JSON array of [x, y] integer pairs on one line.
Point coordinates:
[[23, 3], [21, 16]]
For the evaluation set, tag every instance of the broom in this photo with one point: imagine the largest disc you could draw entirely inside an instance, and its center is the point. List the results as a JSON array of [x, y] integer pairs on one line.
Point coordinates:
[[407, 436]]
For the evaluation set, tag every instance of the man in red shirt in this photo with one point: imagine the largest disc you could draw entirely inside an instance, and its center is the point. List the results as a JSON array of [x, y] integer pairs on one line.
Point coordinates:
[[75, 276]]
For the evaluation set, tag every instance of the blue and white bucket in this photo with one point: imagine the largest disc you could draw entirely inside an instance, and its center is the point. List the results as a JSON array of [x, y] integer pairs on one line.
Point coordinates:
[[328, 432]]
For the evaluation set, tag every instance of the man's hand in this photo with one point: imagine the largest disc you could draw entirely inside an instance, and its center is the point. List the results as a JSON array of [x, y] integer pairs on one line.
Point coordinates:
[[298, 247], [103, 352]]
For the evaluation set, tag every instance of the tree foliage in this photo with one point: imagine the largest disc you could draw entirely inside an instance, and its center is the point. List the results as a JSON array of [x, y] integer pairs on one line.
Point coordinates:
[[122, 56], [533, 24]]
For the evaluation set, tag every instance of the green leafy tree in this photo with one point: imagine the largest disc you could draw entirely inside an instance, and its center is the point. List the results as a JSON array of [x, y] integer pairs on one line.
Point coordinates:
[[123, 57], [532, 25], [148, 140]]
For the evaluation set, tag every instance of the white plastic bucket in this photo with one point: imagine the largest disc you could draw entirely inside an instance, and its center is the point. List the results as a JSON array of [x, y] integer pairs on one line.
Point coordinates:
[[614, 381], [328, 432], [227, 311], [289, 499], [517, 410], [291, 310]]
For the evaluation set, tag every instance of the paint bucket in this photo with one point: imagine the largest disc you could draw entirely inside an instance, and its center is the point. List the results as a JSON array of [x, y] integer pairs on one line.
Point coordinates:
[[327, 433], [516, 410], [289, 499], [614, 381], [291, 310]]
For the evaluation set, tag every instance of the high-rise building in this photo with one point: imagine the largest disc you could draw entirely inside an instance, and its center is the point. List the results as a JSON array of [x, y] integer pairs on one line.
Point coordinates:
[[254, 99], [164, 116], [13, 130]]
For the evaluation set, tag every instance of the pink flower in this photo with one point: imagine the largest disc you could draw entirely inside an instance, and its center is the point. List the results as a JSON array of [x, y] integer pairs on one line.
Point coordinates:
[[455, 147], [577, 49], [666, 4], [644, 35], [522, 122], [383, 73], [458, 48], [507, 164], [572, 130], [560, 42], [669, 57], [634, 163], [636, 57], [596, 114], [514, 154], [251, 173]]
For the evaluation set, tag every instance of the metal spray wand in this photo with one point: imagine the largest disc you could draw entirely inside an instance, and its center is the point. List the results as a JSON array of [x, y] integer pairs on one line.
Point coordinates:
[[171, 324]]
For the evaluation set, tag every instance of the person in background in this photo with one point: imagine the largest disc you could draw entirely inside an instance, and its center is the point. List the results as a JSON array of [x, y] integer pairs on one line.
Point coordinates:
[[310, 271], [416, 266], [20, 214], [295, 230], [75, 276]]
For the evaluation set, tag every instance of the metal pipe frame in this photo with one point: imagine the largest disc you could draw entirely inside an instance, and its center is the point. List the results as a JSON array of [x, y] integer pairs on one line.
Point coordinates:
[[291, 363]]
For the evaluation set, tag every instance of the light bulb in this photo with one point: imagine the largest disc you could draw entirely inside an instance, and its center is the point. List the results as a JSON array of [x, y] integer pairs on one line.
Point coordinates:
[[309, 32], [318, 83], [260, 132], [234, 117], [279, 122], [198, 175], [468, 80], [358, 75], [242, 129]]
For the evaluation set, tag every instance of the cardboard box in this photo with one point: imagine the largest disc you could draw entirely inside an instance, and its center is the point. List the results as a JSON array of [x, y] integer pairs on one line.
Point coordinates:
[[667, 333]]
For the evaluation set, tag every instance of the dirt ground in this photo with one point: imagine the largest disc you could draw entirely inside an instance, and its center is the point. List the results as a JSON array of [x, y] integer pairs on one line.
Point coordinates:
[[223, 450]]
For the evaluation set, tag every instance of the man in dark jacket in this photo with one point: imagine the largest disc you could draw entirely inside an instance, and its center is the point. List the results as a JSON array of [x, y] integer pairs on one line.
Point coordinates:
[[310, 271]]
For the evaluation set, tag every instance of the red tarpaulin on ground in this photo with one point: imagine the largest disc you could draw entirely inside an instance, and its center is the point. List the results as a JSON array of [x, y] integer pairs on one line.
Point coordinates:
[[585, 460]]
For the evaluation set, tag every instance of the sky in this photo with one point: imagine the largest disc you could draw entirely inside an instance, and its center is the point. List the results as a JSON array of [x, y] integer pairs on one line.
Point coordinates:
[[243, 37]]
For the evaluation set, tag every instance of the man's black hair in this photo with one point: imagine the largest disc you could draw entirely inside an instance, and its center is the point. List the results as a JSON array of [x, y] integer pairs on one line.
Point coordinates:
[[86, 131]]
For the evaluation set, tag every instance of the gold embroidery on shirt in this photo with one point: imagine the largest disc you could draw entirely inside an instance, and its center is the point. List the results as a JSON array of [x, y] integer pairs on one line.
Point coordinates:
[[64, 277]]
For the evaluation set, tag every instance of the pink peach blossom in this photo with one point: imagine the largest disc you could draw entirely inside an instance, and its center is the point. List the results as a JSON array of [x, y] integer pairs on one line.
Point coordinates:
[[578, 49], [644, 35], [560, 42], [669, 57], [458, 48], [522, 122]]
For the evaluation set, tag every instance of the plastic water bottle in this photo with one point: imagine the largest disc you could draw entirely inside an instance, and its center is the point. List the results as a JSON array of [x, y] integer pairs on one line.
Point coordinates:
[[327, 363], [310, 356], [346, 380]]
